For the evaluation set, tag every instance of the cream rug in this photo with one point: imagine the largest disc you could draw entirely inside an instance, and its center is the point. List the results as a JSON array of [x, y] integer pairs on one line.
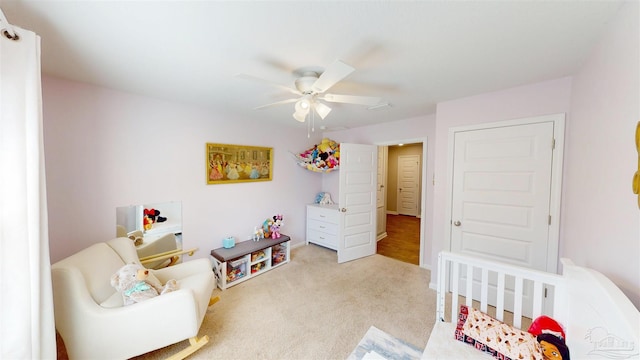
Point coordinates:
[[315, 308]]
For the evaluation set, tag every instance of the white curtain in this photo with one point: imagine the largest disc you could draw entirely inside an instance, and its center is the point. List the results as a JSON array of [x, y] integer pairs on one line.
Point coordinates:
[[27, 329]]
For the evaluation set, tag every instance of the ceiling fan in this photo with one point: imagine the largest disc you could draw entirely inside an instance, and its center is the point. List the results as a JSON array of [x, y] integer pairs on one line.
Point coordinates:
[[310, 88]]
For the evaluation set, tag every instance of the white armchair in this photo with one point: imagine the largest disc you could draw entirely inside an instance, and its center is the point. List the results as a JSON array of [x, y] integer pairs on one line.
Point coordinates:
[[93, 322]]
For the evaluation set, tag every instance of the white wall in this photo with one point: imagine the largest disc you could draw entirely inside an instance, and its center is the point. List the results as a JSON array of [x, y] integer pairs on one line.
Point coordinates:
[[419, 129], [600, 218], [105, 149]]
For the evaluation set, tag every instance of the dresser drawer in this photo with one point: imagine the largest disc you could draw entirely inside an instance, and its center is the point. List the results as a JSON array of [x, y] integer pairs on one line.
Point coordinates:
[[324, 239], [322, 226], [327, 214]]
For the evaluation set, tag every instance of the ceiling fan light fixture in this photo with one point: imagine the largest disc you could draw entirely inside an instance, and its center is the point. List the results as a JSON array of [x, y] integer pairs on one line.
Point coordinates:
[[300, 115], [322, 109], [303, 104]]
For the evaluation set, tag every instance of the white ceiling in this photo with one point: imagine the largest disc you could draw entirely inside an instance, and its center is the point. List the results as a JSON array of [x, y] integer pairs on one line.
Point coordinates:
[[412, 54]]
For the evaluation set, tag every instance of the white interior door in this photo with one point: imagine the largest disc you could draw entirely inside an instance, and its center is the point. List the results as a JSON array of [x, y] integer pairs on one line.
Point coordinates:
[[408, 184], [357, 203], [501, 191]]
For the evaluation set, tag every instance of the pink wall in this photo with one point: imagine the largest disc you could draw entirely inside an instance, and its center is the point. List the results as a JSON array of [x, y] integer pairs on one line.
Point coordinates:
[[105, 149], [600, 219], [600, 225]]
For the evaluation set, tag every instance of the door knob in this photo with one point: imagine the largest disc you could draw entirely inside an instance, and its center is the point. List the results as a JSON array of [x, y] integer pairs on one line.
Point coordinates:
[[343, 210], [457, 223]]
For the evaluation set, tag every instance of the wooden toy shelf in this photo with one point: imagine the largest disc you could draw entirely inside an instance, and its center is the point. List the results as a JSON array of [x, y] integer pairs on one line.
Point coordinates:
[[248, 259]]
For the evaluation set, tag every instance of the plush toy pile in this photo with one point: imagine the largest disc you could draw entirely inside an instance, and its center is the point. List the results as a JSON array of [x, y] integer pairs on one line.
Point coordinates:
[[323, 157], [270, 228], [138, 284]]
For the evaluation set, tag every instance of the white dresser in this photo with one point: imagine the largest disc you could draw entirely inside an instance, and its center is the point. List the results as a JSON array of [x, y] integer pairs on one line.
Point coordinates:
[[322, 225]]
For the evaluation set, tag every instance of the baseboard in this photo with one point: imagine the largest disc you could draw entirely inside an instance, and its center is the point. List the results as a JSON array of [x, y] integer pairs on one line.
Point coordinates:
[[298, 244]]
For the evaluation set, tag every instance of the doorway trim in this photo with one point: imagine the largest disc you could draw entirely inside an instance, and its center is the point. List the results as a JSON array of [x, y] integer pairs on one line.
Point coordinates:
[[423, 195], [556, 177]]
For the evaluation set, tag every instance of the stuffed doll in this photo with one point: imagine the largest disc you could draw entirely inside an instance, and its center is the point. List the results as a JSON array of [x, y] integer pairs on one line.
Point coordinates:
[[551, 337], [138, 284], [275, 226]]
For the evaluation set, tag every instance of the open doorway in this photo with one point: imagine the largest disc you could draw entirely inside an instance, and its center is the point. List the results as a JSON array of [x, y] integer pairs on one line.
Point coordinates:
[[399, 201]]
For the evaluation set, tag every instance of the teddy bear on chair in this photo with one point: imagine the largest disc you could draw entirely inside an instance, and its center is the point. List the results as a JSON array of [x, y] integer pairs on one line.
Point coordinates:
[[138, 284]]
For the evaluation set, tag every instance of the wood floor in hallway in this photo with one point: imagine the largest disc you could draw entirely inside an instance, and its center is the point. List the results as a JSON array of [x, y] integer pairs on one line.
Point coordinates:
[[403, 239]]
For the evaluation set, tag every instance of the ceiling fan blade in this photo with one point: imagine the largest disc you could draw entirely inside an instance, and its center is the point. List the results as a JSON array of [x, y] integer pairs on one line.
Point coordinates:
[[255, 78], [331, 75], [275, 104], [351, 99], [322, 109]]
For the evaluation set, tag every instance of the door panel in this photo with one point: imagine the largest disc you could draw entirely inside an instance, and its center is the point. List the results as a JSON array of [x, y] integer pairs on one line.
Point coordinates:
[[358, 172], [408, 184]]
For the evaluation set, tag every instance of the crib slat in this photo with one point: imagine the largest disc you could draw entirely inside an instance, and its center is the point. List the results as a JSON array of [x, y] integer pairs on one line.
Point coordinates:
[[517, 306], [469, 292], [537, 299], [442, 276], [454, 291], [484, 290], [500, 297]]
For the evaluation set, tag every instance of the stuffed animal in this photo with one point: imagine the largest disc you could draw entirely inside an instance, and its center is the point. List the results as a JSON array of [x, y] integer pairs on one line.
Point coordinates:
[[152, 216], [275, 226], [258, 233], [551, 337], [266, 228], [147, 222], [138, 284], [324, 198], [325, 145]]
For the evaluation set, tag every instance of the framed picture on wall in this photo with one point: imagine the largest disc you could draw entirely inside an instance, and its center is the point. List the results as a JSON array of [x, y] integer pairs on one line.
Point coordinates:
[[227, 163], [636, 176]]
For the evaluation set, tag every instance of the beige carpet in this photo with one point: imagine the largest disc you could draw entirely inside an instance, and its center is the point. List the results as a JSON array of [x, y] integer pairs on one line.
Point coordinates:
[[315, 308]]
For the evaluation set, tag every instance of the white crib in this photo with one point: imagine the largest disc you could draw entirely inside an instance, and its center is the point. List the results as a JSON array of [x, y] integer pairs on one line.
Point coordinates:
[[599, 320]]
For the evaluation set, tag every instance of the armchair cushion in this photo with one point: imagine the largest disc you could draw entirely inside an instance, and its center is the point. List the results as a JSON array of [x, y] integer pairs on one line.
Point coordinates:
[[113, 301]]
